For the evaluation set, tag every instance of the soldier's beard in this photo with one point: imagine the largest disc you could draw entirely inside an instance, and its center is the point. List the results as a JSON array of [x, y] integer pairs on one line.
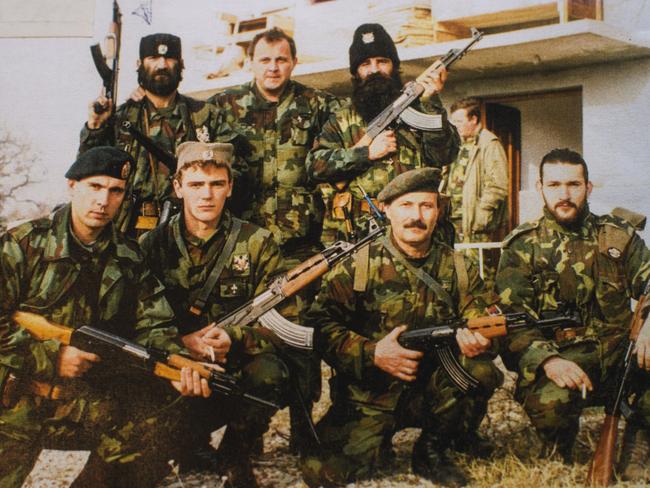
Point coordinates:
[[160, 85], [375, 93], [572, 220]]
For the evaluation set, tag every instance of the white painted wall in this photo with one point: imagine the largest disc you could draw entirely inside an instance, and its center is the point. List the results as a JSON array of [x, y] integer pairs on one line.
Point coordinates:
[[616, 143]]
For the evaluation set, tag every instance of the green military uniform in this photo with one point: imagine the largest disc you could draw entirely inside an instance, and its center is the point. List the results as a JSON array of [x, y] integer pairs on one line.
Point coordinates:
[[280, 134], [334, 159], [127, 423], [369, 404], [186, 119], [598, 264], [183, 263]]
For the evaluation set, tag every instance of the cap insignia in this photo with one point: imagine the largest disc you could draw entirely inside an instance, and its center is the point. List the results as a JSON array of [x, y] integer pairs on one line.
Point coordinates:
[[207, 155], [162, 49], [126, 169], [368, 37]]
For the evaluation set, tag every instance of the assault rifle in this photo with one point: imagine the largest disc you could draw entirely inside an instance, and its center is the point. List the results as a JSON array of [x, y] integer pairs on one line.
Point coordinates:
[[161, 363], [401, 108], [162, 155], [440, 339], [261, 307], [602, 464], [112, 56]]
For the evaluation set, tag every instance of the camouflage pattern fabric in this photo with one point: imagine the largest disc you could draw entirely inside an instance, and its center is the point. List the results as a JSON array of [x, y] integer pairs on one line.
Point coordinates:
[[598, 264], [334, 159], [368, 403], [46, 270], [280, 135], [183, 263], [186, 119]]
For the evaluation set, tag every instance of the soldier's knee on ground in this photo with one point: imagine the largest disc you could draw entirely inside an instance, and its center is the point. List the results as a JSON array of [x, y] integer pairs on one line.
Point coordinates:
[[549, 406]]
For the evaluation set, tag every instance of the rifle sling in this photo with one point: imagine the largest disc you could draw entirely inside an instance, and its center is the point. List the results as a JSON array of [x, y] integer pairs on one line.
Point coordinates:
[[217, 269], [423, 276]]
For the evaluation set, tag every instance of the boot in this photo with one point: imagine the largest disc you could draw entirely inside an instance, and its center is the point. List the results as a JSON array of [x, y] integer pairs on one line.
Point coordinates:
[[559, 443], [429, 461], [234, 456], [634, 458], [473, 444]]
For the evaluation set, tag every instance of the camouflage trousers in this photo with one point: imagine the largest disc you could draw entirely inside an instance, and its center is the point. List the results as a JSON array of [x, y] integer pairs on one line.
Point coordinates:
[[263, 375], [355, 437], [555, 411], [129, 429]]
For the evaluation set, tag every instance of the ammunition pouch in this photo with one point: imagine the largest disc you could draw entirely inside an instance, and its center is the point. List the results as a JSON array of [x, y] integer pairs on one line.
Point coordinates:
[[148, 217]]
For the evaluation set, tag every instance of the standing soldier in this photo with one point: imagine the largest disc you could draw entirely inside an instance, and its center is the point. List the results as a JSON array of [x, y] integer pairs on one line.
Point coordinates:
[[212, 263], [76, 269], [163, 115], [342, 161], [379, 387], [281, 118], [477, 183], [597, 264]]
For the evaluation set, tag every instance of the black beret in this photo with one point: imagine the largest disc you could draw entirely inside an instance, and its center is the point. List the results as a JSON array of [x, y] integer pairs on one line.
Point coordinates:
[[101, 161], [161, 44], [370, 41], [422, 179]]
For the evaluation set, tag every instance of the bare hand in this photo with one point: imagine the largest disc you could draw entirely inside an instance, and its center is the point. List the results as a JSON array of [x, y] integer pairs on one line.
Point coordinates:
[[396, 360], [472, 343], [642, 347], [566, 374], [210, 343], [433, 81], [191, 384], [95, 120], [73, 362], [138, 94]]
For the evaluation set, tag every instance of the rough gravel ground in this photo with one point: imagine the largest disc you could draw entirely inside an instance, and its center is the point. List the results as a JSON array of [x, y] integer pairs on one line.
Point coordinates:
[[515, 465]]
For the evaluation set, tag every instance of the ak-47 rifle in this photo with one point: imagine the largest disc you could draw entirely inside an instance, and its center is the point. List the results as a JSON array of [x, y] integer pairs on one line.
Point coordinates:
[[107, 345], [602, 464], [261, 307], [401, 108], [112, 57], [440, 339]]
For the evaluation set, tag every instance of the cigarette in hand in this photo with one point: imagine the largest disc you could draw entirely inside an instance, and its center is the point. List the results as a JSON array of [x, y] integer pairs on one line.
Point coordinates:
[[584, 391]]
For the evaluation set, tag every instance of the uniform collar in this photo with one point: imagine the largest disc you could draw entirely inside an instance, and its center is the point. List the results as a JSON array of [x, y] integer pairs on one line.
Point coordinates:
[[179, 231], [263, 102]]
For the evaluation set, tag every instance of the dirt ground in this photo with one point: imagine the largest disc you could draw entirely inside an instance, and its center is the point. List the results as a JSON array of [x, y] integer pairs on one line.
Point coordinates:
[[514, 465]]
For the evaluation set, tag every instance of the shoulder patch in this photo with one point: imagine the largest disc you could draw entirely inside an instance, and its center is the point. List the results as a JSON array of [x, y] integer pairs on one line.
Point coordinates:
[[519, 231]]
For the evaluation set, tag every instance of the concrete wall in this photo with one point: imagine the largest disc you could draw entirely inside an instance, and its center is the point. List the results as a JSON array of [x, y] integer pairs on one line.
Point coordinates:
[[615, 108]]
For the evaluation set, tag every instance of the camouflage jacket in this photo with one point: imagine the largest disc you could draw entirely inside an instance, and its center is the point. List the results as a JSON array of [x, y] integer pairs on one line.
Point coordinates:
[[44, 269], [349, 323], [334, 159], [600, 266], [183, 264], [280, 134], [186, 120]]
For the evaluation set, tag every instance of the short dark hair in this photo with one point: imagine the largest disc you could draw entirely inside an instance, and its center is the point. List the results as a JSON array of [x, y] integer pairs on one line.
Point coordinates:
[[471, 105], [272, 35], [563, 156]]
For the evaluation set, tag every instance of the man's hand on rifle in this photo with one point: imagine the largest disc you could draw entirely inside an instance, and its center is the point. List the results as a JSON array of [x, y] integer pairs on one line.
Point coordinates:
[[433, 81], [642, 346], [396, 360], [191, 384], [566, 374], [96, 120], [209, 343], [138, 94], [472, 343], [73, 362], [385, 143]]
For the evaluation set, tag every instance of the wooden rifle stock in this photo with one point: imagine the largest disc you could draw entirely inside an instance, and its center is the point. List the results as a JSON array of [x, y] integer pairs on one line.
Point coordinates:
[[601, 469]]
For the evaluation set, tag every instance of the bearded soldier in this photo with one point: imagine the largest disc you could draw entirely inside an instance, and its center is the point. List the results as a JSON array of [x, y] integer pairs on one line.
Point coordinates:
[[165, 116], [343, 161], [596, 264], [280, 118], [379, 387], [76, 269], [211, 263]]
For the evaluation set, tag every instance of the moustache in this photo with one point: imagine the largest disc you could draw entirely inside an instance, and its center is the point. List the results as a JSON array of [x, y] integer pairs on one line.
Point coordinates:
[[566, 203], [417, 224]]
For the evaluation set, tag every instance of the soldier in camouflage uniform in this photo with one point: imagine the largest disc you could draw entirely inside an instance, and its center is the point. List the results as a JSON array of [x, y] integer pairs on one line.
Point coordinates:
[[341, 159], [378, 386], [165, 116], [280, 118], [184, 253], [597, 263], [75, 269]]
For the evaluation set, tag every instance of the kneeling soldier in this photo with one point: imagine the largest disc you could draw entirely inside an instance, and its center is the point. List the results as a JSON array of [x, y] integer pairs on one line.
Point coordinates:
[[212, 262], [405, 279]]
